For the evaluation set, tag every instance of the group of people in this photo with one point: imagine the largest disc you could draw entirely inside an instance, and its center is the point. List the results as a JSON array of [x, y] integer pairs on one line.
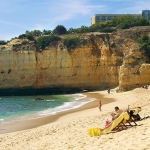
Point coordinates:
[[145, 86], [133, 113]]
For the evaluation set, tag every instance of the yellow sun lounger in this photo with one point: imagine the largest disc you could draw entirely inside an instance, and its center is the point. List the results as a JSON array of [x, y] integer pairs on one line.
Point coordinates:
[[97, 131]]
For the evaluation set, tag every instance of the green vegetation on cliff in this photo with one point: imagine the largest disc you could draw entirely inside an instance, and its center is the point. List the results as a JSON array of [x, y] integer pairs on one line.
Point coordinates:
[[44, 41], [122, 22], [2, 42], [71, 42], [60, 29], [145, 44]]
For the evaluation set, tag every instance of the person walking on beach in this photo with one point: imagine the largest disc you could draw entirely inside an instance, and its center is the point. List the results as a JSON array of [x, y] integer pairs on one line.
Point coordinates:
[[100, 105]]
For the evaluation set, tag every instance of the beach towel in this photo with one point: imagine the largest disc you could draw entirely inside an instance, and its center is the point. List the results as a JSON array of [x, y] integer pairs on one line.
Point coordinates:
[[94, 131]]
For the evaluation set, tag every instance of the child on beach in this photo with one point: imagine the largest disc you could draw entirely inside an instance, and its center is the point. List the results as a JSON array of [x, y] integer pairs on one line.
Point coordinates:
[[100, 105], [107, 123]]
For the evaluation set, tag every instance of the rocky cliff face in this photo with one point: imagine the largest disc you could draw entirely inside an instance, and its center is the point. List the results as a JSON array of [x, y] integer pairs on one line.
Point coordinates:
[[106, 60]]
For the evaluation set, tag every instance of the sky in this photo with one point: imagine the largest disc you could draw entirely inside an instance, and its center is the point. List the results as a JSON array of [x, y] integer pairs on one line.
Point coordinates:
[[18, 16]]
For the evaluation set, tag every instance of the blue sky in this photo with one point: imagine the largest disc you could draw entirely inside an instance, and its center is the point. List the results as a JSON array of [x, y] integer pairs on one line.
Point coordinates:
[[17, 16]]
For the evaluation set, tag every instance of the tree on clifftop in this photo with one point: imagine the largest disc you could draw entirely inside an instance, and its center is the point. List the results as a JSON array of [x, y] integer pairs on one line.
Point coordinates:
[[2, 42], [60, 29]]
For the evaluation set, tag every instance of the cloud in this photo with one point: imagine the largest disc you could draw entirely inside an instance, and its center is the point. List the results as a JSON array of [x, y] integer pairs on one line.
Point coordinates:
[[45, 13], [17, 16], [69, 10], [9, 23]]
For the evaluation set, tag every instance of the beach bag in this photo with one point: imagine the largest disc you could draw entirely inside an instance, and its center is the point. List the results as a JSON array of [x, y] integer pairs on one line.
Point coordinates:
[[94, 131], [137, 117]]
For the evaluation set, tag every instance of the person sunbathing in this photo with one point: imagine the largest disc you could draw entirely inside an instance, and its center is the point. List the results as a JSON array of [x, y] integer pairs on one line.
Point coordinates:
[[117, 113], [114, 115]]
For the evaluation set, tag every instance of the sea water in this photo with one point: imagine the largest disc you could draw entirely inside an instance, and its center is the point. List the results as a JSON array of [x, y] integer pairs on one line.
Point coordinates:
[[26, 107]]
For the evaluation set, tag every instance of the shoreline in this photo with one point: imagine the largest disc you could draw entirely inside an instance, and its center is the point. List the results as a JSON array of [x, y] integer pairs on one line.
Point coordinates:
[[70, 131], [36, 122]]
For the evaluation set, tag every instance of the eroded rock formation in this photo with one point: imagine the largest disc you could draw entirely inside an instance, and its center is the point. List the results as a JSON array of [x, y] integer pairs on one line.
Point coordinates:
[[106, 60]]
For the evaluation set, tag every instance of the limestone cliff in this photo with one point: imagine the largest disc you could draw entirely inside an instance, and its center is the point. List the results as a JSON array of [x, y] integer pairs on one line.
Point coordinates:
[[106, 60]]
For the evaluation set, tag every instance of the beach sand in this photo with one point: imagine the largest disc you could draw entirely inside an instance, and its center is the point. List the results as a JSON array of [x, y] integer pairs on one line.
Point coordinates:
[[68, 130]]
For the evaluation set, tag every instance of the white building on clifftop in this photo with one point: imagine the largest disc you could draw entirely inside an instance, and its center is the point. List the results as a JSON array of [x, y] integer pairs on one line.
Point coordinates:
[[103, 17]]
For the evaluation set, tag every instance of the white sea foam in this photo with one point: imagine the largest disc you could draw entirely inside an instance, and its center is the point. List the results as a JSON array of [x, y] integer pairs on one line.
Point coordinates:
[[68, 105], [49, 100], [1, 121]]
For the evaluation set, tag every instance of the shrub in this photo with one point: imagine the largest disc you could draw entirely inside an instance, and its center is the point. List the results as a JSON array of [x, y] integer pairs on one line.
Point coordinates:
[[30, 37], [108, 30], [71, 42], [145, 45], [44, 41], [123, 26], [22, 36], [3, 42], [24, 42]]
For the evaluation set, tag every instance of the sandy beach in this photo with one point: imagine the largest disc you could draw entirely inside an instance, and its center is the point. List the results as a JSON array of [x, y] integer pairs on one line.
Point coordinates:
[[68, 130]]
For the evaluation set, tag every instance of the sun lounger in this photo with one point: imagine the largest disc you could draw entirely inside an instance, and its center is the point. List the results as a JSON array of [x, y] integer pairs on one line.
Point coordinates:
[[114, 125], [122, 122]]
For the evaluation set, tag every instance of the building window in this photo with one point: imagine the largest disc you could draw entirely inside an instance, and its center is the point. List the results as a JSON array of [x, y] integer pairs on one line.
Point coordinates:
[[109, 17], [103, 18], [97, 17]]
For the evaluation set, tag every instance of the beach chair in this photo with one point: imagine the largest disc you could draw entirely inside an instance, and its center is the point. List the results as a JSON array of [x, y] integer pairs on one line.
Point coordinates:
[[123, 121], [122, 125], [126, 122], [115, 125]]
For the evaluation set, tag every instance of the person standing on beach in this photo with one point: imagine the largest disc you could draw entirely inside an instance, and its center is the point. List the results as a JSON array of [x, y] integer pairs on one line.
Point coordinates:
[[108, 90], [100, 105]]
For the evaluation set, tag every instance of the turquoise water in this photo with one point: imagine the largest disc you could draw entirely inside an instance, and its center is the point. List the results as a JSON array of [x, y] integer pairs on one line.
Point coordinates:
[[21, 107]]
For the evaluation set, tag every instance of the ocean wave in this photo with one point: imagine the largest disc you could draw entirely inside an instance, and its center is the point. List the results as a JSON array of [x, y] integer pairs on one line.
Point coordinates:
[[66, 106], [1, 120]]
